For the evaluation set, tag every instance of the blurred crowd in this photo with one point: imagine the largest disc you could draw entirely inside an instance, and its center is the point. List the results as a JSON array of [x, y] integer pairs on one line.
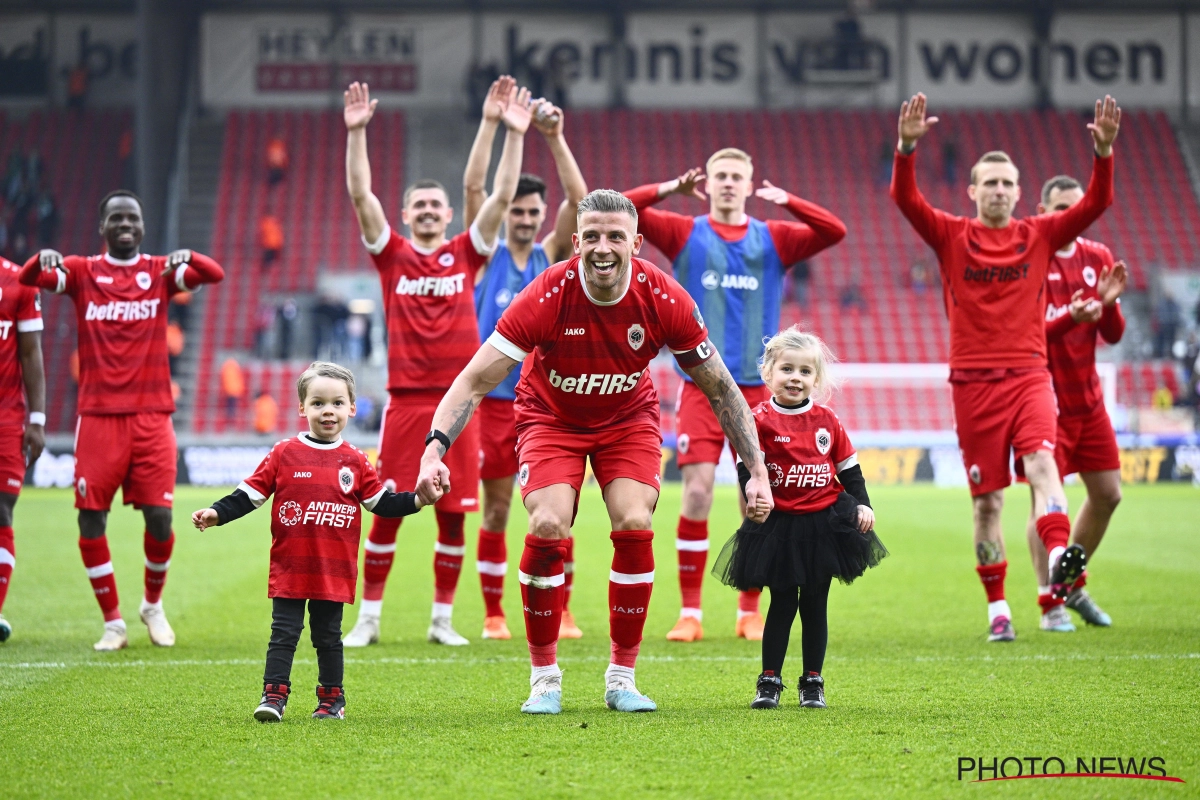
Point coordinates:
[[29, 219]]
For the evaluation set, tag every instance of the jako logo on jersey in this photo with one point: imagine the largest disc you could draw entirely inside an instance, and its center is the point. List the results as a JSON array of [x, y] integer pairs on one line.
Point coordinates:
[[1089, 276], [824, 441], [783, 438], [776, 473], [683, 443], [623, 610], [290, 512], [438, 287], [599, 383], [636, 336], [302, 475], [446, 259], [143, 280], [1054, 276], [573, 332], [339, 515], [503, 298], [104, 279], [122, 310], [711, 280], [523, 475], [346, 479]]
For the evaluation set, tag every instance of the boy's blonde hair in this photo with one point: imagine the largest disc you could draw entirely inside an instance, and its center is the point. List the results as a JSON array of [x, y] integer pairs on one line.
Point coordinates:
[[324, 369], [795, 338], [729, 152]]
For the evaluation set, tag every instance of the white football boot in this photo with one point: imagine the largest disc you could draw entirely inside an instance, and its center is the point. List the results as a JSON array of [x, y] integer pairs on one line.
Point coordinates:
[[440, 632], [366, 631], [156, 623], [114, 638]]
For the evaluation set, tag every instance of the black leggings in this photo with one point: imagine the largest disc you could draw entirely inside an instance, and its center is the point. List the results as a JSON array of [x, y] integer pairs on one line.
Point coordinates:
[[287, 623], [811, 600]]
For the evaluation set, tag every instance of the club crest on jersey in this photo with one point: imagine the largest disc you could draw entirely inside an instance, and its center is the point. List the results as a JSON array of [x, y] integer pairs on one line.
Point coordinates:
[[683, 443], [446, 259], [143, 280], [710, 279], [824, 441], [523, 475], [570, 274], [636, 335], [290, 513], [81, 486], [641, 277], [776, 473], [975, 475], [503, 298], [346, 479], [1089, 276]]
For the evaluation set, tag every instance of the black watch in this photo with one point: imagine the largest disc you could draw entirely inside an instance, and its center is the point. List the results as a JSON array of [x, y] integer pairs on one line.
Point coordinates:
[[441, 437]]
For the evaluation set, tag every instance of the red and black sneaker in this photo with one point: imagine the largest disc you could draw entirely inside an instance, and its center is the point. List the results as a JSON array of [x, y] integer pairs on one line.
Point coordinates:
[[274, 701], [331, 703]]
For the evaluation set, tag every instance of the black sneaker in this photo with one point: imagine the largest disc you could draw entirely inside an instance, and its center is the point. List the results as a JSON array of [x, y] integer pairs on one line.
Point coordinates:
[[769, 689], [812, 691], [1066, 571], [274, 701], [331, 703]]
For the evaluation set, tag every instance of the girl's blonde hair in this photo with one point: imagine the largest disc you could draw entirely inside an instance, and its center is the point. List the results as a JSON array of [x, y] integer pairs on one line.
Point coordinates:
[[324, 369], [794, 338]]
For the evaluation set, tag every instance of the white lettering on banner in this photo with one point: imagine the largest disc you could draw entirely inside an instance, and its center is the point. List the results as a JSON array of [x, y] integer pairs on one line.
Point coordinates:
[[122, 310], [599, 383], [438, 287]]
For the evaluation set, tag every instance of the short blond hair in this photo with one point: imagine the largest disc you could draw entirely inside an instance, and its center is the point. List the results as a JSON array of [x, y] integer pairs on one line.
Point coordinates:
[[324, 369], [993, 157], [729, 152], [796, 338]]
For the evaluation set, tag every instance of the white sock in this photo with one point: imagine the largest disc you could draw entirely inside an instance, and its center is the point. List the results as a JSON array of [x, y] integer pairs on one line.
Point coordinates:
[[541, 672], [147, 605], [616, 674], [442, 611], [370, 608], [999, 608], [117, 624], [745, 613], [694, 613]]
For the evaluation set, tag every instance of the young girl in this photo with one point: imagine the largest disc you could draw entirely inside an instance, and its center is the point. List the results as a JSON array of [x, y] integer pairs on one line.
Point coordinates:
[[318, 481], [821, 527]]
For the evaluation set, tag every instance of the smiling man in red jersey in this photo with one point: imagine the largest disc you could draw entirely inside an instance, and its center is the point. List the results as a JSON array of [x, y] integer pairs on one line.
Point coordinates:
[[994, 270]]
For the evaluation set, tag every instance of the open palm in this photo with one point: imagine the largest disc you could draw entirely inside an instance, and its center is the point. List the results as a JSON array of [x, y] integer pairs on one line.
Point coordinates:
[[359, 106], [1106, 125], [518, 113], [913, 122]]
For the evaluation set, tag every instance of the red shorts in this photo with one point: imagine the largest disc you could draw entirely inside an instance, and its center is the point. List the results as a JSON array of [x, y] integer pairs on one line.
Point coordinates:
[[550, 455], [133, 451], [1015, 416], [1087, 443], [12, 458], [499, 445], [407, 420], [699, 435]]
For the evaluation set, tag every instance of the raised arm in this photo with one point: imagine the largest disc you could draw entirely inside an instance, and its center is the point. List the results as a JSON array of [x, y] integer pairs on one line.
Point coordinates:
[[1062, 228], [821, 228], [33, 373], [733, 415], [485, 371], [193, 270], [516, 120], [359, 108], [913, 124], [549, 121], [666, 230], [475, 175], [45, 270]]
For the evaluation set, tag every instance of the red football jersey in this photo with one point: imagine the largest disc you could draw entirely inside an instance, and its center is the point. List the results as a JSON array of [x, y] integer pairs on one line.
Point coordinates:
[[316, 518], [429, 301], [121, 313], [993, 278], [1071, 346], [804, 450], [20, 312], [590, 358]]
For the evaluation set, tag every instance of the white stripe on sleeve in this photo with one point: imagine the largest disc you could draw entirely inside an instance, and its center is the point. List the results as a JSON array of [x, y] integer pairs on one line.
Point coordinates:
[[29, 325], [255, 495], [371, 502], [376, 247], [481, 247], [505, 346], [179, 282], [851, 461]]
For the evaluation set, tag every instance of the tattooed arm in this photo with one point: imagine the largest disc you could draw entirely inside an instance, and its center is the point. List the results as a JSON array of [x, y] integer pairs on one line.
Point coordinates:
[[485, 372], [733, 415]]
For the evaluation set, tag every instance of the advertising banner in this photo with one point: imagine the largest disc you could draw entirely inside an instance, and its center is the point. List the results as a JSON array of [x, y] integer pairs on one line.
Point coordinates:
[[976, 60], [24, 55], [567, 58], [831, 60], [105, 45], [1137, 58], [699, 60]]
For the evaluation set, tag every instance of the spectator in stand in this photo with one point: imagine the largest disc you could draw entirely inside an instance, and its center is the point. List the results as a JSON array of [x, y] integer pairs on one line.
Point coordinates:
[[1162, 399], [950, 163], [1165, 323], [233, 387], [263, 320], [288, 311], [883, 166], [852, 297], [181, 308], [14, 177], [270, 237], [329, 317], [356, 332], [175, 343], [47, 221], [919, 277], [266, 413], [277, 160], [365, 407], [3, 230], [77, 85], [801, 277]]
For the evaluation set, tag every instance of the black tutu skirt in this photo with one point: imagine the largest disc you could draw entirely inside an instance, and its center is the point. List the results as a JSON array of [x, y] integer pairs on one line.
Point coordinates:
[[796, 549]]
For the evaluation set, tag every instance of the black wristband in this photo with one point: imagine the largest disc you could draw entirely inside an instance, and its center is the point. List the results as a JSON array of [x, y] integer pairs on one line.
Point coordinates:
[[441, 437]]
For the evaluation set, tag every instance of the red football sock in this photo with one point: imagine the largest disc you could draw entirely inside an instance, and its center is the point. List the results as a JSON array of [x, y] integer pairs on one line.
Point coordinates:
[[448, 556], [691, 545], [568, 572], [380, 550], [1079, 584], [1054, 529], [629, 587], [748, 602], [541, 576], [100, 572], [8, 553], [158, 559], [1048, 601], [491, 559], [992, 577]]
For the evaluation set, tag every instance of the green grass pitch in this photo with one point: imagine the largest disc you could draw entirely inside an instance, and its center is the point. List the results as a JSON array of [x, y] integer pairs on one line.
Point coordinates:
[[912, 684]]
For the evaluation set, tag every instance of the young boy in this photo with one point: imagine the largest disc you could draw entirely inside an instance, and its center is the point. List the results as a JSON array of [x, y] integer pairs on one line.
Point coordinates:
[[318, 481]]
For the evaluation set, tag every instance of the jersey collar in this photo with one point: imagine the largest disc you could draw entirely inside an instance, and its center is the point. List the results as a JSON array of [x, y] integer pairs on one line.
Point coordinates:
[[1069, 250], [335, 444], [804, 407], [122, 262], [594, 301]]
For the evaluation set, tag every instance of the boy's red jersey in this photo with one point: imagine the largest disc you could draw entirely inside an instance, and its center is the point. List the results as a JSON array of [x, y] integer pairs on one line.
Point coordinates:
[[590, 358], [804, 449], [316, 515], [20, 312]]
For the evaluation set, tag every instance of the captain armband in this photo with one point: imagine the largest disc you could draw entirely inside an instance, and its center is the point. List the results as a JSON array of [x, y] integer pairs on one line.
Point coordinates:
[[698, 355]]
